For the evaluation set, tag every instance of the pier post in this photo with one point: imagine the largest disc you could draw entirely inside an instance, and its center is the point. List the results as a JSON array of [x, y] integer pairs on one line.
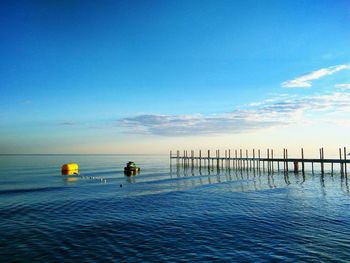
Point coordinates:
[[250, 162], [322, 157], [229, 159], [263, 165], [222, 162], [235, 162], [302, 162], [254, 164], [341, 164], [187, 159], [208, 159], [345, 166], [183, 159], [192, 158], [240, 158], [200, 159], [246, 159], [322, 160], [217, 159], [273, 168], [296, 167], [268, 160], [259, 159], [226, 158], [243, 160]]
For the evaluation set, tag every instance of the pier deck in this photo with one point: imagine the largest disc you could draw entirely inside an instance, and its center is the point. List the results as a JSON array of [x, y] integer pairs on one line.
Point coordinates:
[[256, 161]]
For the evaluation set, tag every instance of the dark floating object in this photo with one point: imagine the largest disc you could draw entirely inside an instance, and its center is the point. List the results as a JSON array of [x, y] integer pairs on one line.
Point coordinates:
[[131, 169]]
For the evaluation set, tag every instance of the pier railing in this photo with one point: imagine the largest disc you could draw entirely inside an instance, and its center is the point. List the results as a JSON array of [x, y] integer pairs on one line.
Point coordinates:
[[239, 159]]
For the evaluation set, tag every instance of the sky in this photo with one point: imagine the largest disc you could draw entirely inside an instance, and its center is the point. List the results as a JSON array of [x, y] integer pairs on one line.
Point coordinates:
[[154, 76]]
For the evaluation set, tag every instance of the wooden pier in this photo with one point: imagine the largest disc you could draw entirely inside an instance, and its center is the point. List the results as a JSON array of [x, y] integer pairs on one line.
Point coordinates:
[[254, 160]]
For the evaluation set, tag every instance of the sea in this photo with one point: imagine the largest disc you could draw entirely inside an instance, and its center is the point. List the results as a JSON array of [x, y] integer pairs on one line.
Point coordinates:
[[168, 213]]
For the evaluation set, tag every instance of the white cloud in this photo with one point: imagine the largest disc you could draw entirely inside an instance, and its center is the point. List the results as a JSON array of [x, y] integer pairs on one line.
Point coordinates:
[[266, 114], [343, 86], [305, 81], [279, 110]]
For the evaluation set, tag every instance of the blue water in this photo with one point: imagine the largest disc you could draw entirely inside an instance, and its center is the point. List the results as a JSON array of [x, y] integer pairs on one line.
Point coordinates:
[[167, 214]]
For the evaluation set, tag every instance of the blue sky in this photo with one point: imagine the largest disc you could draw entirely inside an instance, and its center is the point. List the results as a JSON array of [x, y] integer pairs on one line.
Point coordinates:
[[149, 76]]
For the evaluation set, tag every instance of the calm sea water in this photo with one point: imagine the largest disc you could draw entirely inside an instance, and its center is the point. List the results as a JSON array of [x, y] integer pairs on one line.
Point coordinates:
[[167, 214]]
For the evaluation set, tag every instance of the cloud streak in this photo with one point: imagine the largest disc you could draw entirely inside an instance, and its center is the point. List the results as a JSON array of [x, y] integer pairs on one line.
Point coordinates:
[[179, 125], [267, 114], [67, 123], [305, 81]]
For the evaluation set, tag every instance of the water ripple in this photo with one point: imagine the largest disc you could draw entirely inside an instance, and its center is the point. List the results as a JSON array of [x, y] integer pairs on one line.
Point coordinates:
[[172, 216]]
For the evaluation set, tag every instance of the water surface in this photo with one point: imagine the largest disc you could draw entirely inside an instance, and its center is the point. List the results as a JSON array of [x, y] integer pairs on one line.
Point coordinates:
[[167, 213]]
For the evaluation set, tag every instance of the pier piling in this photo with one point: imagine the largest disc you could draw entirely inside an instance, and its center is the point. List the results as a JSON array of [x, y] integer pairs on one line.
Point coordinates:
[[254, 162]]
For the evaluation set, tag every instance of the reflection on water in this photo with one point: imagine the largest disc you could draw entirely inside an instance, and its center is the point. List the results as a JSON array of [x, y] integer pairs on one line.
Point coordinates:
[[344, 184], [251, 179], [131, 172], [71, 179]]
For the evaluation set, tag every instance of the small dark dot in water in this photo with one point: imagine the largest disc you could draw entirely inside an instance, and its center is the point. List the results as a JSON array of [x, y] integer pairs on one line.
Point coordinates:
[[121, 185]]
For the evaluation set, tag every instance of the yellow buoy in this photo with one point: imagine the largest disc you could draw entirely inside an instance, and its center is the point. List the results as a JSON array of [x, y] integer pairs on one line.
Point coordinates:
[[70, 169]]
